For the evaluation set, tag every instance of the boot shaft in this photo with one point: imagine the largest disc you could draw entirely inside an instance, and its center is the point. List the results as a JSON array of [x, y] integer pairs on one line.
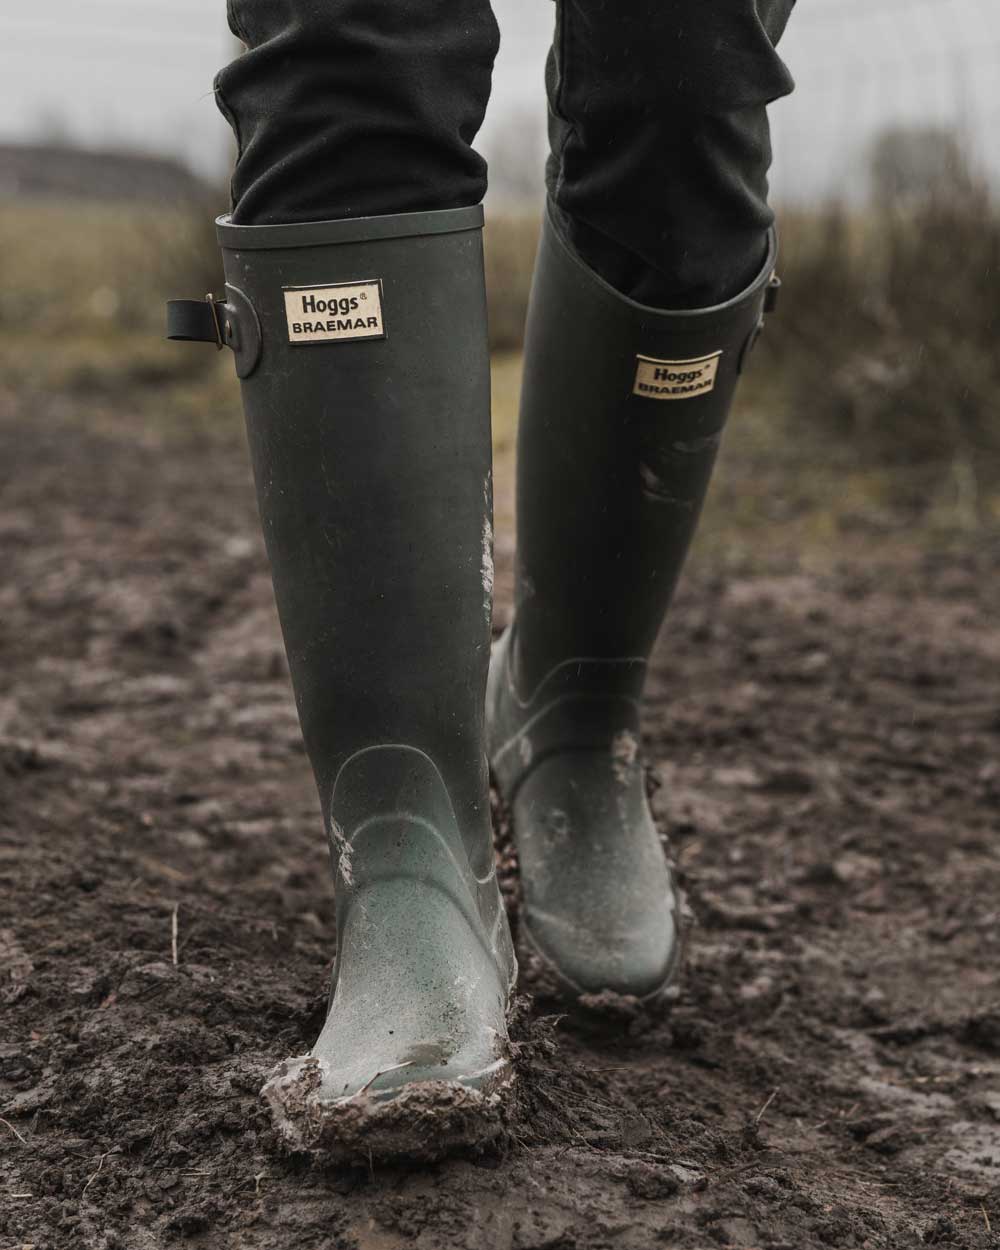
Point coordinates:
[[368, 424], [622, 413]]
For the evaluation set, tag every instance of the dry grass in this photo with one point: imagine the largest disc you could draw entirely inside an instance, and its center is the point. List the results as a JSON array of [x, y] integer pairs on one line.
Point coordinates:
[[887, 342], [510, 245], [871, 404], [83, 292]]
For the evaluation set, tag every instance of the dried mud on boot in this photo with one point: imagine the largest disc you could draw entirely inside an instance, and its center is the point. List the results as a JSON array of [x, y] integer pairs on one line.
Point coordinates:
[[422, 1123]]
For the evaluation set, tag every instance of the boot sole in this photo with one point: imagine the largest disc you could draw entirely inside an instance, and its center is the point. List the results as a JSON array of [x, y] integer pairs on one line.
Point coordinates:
[[420, 1122]]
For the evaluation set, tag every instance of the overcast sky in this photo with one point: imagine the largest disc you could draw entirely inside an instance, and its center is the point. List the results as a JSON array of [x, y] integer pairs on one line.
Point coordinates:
[[139, 72]]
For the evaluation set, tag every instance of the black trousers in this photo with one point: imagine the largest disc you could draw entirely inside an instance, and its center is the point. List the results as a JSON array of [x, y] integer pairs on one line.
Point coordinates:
[[659, 141]]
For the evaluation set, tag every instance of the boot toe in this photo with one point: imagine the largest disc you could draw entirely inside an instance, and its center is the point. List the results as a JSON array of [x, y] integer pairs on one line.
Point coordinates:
[[413, 1060], [381, 1067], [335, 1073], [634, 962], [422, 1117], [601, 909], [412, 1099]]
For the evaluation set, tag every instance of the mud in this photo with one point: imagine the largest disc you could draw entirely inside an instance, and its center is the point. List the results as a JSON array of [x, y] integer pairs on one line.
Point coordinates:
[[423, 1123], [826, 745]]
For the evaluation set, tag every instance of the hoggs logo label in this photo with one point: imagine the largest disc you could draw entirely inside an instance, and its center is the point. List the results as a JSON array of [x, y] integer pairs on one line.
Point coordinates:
[[329, 314], [675, 379]]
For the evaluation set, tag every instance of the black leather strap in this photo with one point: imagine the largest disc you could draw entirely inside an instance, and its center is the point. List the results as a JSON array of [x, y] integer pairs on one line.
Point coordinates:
[[232, 323], [771, 293], [196, 321]]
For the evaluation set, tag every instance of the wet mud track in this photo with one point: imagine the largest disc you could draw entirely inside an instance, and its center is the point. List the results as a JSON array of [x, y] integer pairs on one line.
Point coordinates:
[[827, 768]]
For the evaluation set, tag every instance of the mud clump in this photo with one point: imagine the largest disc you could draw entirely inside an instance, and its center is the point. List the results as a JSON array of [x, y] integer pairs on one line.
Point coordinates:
[[424, 1122]]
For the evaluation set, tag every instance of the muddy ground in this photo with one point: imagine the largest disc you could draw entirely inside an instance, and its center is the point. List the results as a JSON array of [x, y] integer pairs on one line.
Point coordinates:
[[827, 750]]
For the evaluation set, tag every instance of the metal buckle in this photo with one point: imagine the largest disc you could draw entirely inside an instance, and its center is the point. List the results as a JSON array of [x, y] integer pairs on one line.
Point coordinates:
[[210, 301]]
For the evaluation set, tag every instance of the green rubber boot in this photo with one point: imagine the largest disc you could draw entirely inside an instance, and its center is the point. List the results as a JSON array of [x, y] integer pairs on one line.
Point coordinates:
[[363, 352], [622, 411]]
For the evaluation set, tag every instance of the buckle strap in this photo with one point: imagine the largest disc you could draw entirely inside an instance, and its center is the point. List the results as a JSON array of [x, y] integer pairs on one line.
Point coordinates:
[[232, 322], [770, 303], [196, 321]]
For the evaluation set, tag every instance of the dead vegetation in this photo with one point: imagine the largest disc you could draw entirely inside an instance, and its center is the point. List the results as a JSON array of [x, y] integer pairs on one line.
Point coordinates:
[[887, 340], [874, 393]]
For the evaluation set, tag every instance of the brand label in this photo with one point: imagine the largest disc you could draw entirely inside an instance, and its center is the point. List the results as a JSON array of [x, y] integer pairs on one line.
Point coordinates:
[[330, 314], [675, 379]]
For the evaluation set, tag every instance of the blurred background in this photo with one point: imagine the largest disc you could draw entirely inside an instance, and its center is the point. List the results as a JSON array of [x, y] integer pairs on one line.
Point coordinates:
[[870, 408]]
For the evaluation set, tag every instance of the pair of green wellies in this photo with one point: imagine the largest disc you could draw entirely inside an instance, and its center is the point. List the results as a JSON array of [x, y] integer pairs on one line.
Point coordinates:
[[362, 348]]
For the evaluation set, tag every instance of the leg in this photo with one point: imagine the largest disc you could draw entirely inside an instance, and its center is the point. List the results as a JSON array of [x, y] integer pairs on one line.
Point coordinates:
[[623, 406], [660, 144], [345, 108], [368, 423]]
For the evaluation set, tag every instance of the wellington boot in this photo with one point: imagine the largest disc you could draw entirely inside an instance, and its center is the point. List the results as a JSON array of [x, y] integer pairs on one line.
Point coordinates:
[[622, 411], [362, 347]]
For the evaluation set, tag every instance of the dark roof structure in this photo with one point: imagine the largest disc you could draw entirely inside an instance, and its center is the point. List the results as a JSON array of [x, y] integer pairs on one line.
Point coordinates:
[[32, 170]]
